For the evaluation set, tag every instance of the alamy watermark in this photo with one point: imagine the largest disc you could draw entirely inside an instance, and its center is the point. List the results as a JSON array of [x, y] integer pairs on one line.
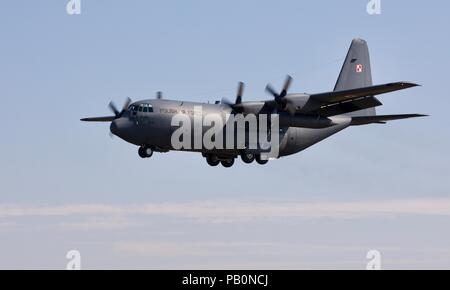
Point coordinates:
[[374, 258], [234, 132], [74, 257], [374, 7], [73, 7]]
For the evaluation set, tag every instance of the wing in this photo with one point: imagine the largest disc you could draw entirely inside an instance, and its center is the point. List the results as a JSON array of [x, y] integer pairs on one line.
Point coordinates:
[[99, 119], [353, 94], [357, 121], [344, 101]]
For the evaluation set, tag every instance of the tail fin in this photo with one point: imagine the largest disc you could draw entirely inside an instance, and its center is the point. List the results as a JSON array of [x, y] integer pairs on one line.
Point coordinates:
[[356, 72]]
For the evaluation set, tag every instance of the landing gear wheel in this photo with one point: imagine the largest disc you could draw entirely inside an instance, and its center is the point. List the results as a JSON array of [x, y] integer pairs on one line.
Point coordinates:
[[261, 161], [141, 152], [145, 152], [227, 163], [148, 152], [212, 160], [247, 157]]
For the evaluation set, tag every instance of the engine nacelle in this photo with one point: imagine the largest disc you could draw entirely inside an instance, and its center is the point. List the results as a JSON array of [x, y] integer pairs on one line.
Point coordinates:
[[297, 101]]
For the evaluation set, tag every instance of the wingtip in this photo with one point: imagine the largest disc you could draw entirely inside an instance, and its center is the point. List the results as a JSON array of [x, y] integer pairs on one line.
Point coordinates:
[[410, 84]]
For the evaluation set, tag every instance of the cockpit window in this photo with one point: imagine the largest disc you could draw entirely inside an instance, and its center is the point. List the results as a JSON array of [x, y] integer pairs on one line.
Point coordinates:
[[145, 108]]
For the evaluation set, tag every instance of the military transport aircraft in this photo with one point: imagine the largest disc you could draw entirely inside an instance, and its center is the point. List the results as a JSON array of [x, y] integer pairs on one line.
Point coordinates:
[[304, 119]]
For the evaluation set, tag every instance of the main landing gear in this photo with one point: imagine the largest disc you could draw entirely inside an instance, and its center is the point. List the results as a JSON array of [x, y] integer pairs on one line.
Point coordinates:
[[228, 161], [145, 152], [248, 158], [261, 161], [213, 160]]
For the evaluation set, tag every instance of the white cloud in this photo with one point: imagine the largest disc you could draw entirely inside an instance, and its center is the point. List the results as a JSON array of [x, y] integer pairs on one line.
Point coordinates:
[[229, 211]]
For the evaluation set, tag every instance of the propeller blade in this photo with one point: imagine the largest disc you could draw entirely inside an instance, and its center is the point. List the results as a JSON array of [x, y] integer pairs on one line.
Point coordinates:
[[287, 84], [113, 108], [226, 102], [271, 91], [240, 92], [127, 103]]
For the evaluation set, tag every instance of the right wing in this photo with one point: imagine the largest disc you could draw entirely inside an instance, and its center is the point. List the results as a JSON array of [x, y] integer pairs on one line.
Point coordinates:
[[357, 121], [348, 95], [345, 101]]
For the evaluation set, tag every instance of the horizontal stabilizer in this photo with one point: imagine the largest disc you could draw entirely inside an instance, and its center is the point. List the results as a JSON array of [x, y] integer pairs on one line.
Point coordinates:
[[99, 119], [346, 95], [357, 121]]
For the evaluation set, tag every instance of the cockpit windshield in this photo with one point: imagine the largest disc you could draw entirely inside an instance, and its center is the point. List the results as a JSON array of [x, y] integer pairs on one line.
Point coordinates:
[[132, 108], [144, 108]]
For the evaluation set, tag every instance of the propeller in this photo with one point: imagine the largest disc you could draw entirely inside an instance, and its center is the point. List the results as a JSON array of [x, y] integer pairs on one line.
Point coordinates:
[[116, 112], [280, 98], [240, 92], [113, 108], [236, 106]]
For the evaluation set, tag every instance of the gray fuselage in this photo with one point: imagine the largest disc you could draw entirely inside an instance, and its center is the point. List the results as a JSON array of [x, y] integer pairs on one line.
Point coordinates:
[[153, 126]]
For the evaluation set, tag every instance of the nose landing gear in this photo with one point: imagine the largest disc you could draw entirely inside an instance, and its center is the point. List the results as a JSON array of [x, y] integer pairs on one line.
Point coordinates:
[[145, 152]]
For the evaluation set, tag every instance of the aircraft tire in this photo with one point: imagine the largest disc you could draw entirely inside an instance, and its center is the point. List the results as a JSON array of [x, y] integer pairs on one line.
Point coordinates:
[[227, 163], [261, 161], [145, 152], [141, 152], [247, 157], [148, 152], [212, 161]]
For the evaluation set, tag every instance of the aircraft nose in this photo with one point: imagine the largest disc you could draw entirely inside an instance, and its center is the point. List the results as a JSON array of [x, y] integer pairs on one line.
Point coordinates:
[[114, 128], [122, 127]]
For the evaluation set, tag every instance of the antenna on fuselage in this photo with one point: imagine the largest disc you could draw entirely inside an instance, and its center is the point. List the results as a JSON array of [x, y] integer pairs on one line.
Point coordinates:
[[159, 95]]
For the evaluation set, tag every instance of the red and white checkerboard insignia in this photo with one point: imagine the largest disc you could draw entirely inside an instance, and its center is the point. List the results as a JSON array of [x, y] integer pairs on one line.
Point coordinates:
[[359, 68]]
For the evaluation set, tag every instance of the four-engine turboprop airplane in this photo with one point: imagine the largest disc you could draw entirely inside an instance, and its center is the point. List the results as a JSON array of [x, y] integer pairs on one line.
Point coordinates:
[[304, 119]]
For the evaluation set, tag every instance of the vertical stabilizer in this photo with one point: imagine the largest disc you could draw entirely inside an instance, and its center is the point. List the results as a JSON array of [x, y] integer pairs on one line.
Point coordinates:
[[356, 72]]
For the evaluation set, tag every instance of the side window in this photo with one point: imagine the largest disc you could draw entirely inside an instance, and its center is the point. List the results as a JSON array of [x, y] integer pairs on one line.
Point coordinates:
[[145, 109], [140, 108], [150, 109]]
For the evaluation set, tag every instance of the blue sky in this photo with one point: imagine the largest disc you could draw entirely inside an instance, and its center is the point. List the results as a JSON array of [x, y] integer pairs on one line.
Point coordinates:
[[67, 185]]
